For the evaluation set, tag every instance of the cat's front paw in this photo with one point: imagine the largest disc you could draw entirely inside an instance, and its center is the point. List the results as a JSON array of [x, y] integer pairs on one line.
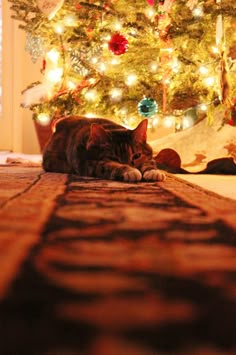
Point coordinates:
[[154, 175], [132, 175]]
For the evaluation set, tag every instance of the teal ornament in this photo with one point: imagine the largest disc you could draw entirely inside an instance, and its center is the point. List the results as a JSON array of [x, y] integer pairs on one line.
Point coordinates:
[[147, 107]]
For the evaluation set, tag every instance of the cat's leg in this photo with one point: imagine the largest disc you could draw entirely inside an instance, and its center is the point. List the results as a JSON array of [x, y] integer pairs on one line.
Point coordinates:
[[154, 175], [116, 171], [151, 173]]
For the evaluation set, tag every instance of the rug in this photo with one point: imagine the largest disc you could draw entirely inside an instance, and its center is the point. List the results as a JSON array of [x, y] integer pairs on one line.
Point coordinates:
[[95, 267]]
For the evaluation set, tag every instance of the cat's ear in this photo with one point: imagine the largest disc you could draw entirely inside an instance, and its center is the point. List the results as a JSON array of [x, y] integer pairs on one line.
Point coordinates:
[[140, 132], [98, 135]]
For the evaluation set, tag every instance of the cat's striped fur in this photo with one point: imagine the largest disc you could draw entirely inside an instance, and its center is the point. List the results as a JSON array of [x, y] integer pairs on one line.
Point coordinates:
[[101, 148]]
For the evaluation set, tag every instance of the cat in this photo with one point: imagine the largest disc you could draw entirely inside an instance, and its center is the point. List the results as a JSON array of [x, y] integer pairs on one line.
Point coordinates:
[[100, 148]]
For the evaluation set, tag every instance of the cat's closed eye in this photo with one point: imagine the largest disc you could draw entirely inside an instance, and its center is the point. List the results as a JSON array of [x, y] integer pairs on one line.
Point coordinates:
[[136, 156]]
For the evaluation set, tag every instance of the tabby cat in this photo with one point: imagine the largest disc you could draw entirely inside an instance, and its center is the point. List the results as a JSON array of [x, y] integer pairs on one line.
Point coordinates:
[[100, 148]]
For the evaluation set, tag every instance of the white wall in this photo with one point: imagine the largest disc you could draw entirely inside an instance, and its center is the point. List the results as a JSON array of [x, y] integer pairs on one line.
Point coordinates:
[[16, 126]]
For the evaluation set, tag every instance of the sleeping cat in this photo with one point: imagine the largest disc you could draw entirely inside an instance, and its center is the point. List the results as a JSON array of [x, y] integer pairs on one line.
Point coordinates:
[[101, 148]]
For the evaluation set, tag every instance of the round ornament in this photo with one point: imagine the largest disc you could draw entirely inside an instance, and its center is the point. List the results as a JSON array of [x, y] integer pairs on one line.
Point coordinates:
[[147, 107], [118, 44], [49, 7]]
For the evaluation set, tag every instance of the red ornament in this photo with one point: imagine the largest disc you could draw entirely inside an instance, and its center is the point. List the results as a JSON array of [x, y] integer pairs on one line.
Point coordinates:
[[118, 44]]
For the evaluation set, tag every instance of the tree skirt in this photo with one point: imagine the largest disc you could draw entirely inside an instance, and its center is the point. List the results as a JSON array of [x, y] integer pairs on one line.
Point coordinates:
[[100, 267], [202, 148]]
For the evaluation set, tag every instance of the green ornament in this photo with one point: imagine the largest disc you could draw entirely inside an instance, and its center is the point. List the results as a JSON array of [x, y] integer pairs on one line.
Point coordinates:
[[147, 107]]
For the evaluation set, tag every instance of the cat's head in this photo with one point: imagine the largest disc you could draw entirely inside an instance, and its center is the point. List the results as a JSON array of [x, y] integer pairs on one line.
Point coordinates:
[[122, 145]]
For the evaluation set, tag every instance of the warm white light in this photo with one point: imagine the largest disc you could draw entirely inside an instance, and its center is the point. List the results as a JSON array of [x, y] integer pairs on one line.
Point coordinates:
[[187, 122], [203, 107], [175, 65], [90, 115], [53, 55], [155, 121], [91, 95], [59, 28], [54, 75], [166, 81], [123, 111], [154, 67], [116, 94], [43, 119], [115, 61], [102, 67], [215, 50], [203, 70], [70, 20], [210, 81], [117, 26], [92, 81], [197, 12], [150, 12], [131, 79], [71, 85], [94, 60], [169, 121]]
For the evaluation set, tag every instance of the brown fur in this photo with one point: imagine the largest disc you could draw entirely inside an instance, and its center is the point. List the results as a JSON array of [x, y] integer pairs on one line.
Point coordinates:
[[101, 148]]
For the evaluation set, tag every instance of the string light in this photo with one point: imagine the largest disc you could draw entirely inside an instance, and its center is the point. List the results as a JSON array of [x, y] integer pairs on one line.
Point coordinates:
[[54, 75], [169, 121], [131, 79], [70, 20], [43, 119], [116, 94], [91, 95], [203, 70], [53, 55], [197, 11], [210, 81], [59, 28]]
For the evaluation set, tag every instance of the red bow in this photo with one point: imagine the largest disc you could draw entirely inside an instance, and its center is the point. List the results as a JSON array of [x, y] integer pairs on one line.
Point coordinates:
[[151, 2]]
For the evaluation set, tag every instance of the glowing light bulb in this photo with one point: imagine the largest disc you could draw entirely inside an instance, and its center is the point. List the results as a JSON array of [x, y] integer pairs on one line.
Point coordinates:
[[210, 81], [91, 95], [169, 121], [175, 65], [59, 28], [131, 79], [90, 115], [203, 70], [94, 60], [150, 12], [203, 107], [117, 26], [155, 121], [54, 75], [215, 50], [187, 122], [166, 81], [198, 11], [53, 55], [102, 67], [115, 61], [43, 119], [70, 20], [154, 67], [71, 85], [116, 94]]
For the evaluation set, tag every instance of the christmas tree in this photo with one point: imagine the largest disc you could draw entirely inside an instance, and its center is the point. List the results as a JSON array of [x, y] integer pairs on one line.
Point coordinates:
[[171, 61]]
